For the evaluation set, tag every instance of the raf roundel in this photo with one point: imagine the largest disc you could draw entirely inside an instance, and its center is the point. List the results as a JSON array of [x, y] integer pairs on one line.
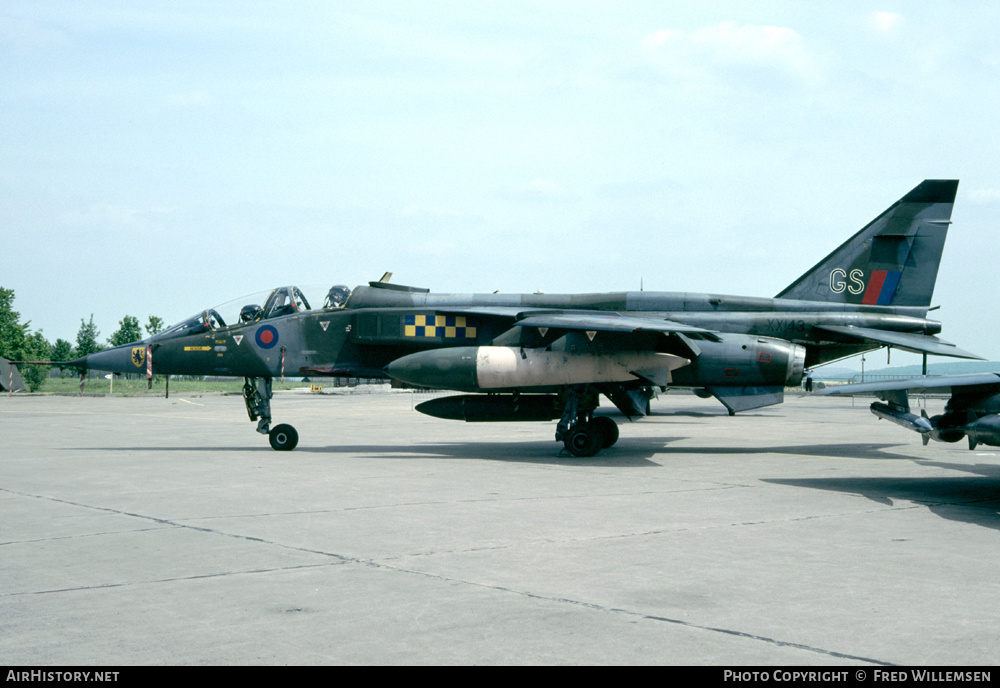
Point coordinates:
[[266, 337]]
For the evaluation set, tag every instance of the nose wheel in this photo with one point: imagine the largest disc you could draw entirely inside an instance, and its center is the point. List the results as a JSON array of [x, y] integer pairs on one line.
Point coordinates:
[[283, 437]]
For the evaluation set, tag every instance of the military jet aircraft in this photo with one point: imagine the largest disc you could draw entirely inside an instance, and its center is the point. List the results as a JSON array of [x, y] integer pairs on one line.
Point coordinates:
[[550, 356], [973, 410]]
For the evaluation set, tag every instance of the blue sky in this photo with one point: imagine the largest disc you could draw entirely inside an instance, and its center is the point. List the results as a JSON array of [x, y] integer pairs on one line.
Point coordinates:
[[161, 157]]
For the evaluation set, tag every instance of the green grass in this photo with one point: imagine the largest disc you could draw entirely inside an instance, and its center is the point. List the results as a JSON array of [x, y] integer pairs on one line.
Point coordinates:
[[99, 385]]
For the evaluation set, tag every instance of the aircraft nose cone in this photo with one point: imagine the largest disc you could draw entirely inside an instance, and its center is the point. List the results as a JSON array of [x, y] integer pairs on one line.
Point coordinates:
[[130, 358]]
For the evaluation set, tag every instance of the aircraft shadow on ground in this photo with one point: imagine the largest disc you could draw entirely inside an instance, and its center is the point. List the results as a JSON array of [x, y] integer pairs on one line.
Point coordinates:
[[973, 499], [628, 452], [625, 454], [853, 451]]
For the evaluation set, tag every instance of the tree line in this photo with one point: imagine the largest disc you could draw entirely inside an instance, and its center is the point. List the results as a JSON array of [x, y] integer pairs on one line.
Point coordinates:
[[19, 343]]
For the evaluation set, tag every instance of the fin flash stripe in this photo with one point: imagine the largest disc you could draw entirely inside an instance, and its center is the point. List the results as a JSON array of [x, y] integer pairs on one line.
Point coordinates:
[[881, 287], [434, 326]]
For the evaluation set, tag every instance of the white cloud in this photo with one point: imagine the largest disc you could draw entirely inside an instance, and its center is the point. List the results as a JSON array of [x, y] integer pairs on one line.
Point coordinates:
[[197, 99], [538, 189], [725, 46], [544, 188], [431, 213], [25, 36], [105, 214], [984, 196], [887, 21]]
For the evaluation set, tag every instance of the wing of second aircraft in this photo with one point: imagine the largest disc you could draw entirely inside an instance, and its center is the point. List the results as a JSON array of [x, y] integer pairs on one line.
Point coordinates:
[[940, 384]]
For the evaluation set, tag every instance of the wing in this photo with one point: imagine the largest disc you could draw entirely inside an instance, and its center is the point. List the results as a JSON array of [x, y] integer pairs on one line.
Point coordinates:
[[641, 333], [598, 321], [612, 322], [551, 324], [939, 384], [680, 336], [971, 411], [674, 343], [916, 343]]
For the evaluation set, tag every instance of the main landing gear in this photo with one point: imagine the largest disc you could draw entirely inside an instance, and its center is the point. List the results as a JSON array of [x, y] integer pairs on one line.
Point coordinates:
[[257, 395], [581, 433]]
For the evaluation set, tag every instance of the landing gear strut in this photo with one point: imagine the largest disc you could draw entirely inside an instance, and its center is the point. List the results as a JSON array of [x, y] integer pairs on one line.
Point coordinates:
[[257, 395], [581, 433]]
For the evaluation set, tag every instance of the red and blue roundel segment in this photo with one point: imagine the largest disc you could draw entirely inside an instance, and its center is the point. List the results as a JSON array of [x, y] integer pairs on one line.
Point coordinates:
[[266, 337]]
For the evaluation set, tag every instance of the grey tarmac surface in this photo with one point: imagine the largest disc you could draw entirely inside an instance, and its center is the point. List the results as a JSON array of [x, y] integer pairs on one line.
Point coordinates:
[[147, 530]]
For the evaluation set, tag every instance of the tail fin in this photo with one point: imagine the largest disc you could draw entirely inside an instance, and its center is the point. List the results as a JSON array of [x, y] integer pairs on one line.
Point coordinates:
[[893, 260]]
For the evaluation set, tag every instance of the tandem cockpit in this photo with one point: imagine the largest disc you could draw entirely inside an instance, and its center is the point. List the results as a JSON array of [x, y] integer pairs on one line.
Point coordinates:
[[277, 303]]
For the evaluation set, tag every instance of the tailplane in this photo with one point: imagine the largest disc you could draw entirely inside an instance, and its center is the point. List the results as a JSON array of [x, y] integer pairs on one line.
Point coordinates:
[[893, 260]]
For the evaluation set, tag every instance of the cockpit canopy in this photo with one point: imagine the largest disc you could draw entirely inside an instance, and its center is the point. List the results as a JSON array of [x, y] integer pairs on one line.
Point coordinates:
[[196, 324], [277, 303], [285, 301]]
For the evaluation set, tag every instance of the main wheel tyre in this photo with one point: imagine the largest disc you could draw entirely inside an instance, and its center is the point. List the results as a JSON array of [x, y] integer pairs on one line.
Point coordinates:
[[585, 439], [609, 428], [283, 437]]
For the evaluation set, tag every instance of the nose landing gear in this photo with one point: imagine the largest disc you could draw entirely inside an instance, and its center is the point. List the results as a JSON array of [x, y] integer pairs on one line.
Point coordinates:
[[257, 396], [283, 437]]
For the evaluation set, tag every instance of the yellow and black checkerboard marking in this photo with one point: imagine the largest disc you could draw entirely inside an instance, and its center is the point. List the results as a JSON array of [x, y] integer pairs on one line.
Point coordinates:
[[444, 326]]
